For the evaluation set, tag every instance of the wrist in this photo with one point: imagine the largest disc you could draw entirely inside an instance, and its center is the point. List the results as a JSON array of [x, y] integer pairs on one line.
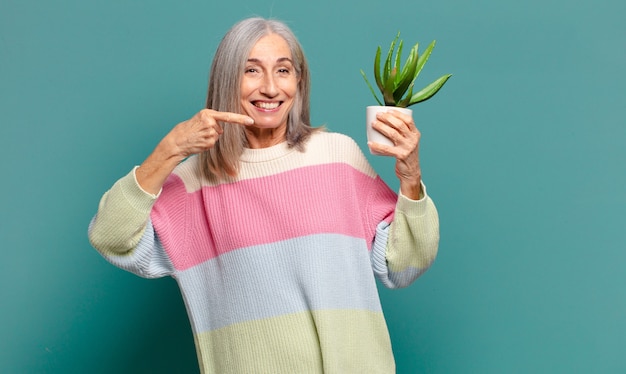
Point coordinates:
[[411, 190]]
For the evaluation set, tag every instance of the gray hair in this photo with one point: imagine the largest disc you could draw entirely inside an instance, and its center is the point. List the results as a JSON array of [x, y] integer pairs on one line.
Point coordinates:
[[224, 93]]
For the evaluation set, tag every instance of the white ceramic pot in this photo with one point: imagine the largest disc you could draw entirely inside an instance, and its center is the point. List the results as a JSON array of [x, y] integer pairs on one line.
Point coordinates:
[[370, 117]]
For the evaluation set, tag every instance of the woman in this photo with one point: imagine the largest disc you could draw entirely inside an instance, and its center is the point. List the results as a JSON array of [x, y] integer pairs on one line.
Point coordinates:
[[273, 230]]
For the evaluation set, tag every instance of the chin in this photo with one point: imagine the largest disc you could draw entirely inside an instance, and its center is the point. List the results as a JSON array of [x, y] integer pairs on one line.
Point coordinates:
[[268, 125]]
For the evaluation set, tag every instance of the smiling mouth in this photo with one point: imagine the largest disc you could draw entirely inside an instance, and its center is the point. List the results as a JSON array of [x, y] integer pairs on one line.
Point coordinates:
[[267, 106]]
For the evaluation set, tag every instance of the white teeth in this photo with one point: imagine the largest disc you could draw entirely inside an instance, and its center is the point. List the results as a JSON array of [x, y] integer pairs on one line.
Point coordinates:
[[265, 105]]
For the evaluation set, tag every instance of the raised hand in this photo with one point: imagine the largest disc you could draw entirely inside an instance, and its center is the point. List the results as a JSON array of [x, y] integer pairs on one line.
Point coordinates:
[[195, 135], [200, 132], [400, 129]]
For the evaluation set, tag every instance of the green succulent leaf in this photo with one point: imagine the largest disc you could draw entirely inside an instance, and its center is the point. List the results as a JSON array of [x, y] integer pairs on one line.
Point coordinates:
[[403, 103], [388, 61], [377, 76], [430, 90], [398, 64], [423, 58], [389, 86], [371, 87], [405, 78]]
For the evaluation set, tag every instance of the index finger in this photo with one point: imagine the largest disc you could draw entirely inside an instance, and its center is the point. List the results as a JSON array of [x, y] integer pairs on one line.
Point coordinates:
[[405, 117], [233, 118]]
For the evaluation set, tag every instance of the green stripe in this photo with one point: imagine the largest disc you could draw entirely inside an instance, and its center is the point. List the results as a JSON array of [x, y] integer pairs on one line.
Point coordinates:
[[329, 341]]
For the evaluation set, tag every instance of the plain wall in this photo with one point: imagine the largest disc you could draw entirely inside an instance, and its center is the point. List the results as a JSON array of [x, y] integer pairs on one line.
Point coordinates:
[[523, 152]]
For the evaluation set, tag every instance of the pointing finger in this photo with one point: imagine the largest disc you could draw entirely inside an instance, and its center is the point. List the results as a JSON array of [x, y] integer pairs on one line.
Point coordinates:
[[233, 118]]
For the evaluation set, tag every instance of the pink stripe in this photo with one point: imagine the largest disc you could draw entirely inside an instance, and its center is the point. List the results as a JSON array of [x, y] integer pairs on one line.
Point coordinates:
[[295, 203]]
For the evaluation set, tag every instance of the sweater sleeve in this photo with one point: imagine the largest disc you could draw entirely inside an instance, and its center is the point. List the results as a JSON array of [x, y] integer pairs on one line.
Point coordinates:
[[122, 231], [405, 248]]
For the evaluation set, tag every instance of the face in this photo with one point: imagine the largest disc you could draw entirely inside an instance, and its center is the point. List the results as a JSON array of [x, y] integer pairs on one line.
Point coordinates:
[[269, 84]]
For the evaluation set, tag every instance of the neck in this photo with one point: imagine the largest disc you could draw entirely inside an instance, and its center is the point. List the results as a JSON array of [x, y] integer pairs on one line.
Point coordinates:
[[263, 138]]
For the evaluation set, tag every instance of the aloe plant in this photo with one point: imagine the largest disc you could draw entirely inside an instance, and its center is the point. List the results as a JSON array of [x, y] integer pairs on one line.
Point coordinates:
[[396, 82]]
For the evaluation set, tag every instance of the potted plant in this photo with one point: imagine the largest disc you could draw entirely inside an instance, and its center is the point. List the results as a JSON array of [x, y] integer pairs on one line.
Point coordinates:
[[396, 82]]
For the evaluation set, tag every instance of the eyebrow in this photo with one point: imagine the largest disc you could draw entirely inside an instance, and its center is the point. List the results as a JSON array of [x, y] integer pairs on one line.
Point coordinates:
[[282, 59]]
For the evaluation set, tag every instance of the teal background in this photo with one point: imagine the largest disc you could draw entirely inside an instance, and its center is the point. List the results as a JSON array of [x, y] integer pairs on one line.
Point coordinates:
[[523, 151]]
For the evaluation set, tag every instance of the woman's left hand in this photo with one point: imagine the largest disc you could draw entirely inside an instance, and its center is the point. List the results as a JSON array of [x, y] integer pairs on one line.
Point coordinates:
[[400, 129]]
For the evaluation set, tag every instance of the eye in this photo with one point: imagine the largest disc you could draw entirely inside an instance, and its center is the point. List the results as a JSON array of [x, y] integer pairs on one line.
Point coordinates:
[[251, 70]]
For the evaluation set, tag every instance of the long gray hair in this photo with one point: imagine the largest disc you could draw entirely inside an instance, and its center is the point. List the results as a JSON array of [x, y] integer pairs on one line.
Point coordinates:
[[224, 93]]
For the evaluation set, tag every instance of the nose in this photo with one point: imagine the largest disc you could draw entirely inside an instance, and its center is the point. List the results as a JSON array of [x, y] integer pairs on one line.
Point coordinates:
[[268, 86]]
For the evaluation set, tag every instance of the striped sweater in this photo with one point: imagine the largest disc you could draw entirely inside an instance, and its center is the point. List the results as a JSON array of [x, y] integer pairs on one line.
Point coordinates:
[[277, 268]]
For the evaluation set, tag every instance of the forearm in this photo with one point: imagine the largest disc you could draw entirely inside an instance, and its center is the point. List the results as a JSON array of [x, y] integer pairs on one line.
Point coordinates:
[[153, 172]]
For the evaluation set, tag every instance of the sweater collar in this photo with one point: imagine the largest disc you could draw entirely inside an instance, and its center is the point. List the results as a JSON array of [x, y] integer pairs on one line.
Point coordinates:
[[266, 154]]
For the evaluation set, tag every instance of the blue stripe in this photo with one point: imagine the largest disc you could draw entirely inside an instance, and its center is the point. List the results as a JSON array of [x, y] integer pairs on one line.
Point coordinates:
[[318, 272]]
